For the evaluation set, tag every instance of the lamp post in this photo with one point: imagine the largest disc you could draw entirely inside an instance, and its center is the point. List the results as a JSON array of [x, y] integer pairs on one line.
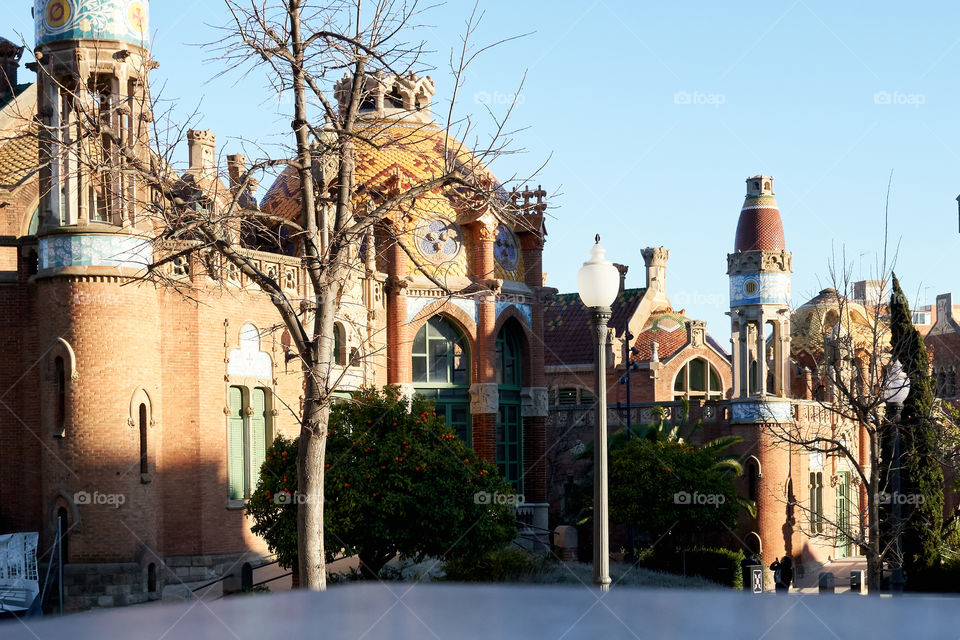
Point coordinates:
[[598, 283], [896, 390]]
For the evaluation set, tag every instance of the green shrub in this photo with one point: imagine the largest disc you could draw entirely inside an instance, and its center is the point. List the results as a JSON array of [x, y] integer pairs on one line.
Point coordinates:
[[510, 564], [718, 565], [398, 482]]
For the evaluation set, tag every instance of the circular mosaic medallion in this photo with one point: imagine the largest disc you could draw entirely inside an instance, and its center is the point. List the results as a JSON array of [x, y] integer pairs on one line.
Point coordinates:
[[439, 240], [506, 248], [57, 14], [137, 15]]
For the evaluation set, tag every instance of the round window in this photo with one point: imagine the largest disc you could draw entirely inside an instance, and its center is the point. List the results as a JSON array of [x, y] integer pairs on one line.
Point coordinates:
[[750, 287]]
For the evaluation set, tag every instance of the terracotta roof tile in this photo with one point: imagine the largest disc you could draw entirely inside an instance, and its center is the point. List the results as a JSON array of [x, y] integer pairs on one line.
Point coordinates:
[[566, 335]]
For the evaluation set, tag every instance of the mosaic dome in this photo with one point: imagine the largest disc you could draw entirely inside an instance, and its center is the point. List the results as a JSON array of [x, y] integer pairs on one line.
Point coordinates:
[[122, 20], [399, 155]]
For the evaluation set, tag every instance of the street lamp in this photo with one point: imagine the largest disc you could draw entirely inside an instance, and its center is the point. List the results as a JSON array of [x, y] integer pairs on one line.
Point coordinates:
[[895, 392], [598, 283]]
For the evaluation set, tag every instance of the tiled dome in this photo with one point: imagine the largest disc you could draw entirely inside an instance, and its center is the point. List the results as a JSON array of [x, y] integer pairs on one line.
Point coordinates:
[[407, 153], [760, 227]]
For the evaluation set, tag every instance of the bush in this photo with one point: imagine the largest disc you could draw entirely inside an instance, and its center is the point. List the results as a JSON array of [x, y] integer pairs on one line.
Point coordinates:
[[504, 565], [719, 565]]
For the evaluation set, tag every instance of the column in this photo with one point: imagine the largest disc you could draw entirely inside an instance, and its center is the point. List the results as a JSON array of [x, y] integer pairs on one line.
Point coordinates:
[[485, 393]]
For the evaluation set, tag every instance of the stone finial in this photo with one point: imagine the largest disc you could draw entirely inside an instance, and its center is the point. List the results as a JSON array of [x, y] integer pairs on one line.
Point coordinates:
[[655, 260], [10, 55], [202, 146]]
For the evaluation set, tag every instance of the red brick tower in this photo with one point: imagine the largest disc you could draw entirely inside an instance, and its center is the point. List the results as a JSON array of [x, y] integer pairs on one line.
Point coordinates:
[[97, 345], [759, 270]]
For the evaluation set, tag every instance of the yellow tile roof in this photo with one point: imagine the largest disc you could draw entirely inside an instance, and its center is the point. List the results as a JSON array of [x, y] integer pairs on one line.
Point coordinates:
[[18, 157]]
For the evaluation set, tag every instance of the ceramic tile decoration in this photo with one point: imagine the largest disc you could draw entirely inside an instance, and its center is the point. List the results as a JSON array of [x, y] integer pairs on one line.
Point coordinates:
[[94, 250], [524, 309], [123, 20], [760, 288], [417, 304]]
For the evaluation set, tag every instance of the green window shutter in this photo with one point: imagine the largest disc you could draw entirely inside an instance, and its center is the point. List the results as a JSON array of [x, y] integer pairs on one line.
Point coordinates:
[[235, 466], [258, 433]]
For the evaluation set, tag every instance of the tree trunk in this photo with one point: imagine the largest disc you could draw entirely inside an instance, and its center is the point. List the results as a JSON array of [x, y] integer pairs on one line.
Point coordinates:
[[310, 462], [874, 561]]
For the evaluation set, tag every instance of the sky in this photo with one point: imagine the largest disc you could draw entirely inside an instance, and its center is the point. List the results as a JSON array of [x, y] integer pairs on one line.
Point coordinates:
[[651, 115]]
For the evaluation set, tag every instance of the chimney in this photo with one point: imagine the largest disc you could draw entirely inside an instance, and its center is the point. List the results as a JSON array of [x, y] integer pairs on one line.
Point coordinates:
[[236, 167], [202, 147], [10, 55], [622, 268], [655, 259]]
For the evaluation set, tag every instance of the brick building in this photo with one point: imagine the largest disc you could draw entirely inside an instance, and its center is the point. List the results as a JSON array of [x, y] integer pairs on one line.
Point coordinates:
[[135, 416]]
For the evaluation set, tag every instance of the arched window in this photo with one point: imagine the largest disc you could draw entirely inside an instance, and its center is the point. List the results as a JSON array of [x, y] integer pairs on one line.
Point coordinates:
[[441, 370], [339, 345], [60, 380], [142, 419], [439, 354], [509, 436], [753, 477], [697, 379]]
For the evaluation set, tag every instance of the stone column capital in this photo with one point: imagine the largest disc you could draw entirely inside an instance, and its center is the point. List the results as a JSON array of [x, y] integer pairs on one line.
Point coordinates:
[[534, 403], [484, 397]]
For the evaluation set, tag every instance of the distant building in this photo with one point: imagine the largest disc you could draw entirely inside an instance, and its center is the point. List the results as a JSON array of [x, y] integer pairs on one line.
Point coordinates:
[[771, 378]]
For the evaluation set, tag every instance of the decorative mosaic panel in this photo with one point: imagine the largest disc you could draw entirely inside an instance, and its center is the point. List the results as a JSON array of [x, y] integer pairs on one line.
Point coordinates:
[[524, 310], [760, 288], [94, 250], [416, 305], [760, 411], [439, 240], [123, 20]]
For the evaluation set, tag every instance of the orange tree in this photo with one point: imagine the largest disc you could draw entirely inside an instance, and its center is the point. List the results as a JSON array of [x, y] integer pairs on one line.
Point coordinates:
[[399, 482]]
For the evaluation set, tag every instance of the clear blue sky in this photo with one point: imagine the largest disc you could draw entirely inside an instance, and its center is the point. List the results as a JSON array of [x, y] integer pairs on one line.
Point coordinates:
[[789, 89]]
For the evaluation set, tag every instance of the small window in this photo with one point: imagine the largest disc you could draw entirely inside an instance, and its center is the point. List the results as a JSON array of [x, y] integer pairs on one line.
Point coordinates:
[[697, 379], [566, 397], [339, 345], [144, 467], [60, 380]]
